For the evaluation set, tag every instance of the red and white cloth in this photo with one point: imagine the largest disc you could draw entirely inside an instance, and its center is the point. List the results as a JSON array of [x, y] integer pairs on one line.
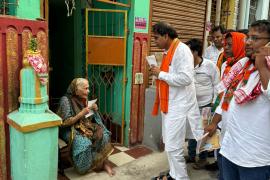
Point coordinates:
[[245, 93]]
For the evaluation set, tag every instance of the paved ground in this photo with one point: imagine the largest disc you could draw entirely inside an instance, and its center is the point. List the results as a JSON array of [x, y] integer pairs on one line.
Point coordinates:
[[143, 168]]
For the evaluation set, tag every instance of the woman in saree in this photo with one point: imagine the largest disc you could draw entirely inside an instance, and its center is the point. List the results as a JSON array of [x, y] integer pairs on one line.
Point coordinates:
[[88, 138]]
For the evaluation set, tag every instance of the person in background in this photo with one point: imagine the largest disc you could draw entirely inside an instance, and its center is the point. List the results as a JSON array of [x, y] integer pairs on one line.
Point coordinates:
[[206, 79], [213, 51], [175, 98], [88, 137]]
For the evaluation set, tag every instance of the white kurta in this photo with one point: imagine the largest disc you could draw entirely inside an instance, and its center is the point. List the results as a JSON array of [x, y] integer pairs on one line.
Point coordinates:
[[206, 79], [247, 137], [182, 93], [267, 91], [182, 108]]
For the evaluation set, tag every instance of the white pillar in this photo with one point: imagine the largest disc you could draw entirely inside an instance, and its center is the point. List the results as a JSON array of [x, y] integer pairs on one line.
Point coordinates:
[[262, 9], [207, 20], [218, 10], [247, 14], [241, 23]]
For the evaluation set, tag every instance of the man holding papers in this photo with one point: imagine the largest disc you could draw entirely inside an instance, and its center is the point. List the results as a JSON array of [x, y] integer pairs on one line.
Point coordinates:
[[176, 97]]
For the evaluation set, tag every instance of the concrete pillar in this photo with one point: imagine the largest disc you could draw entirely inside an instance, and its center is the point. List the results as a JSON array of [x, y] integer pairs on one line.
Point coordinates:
[[241, 22], [33, 129], [232, 18], [218, 10], [262, 10], [207, 21], [247, 14]]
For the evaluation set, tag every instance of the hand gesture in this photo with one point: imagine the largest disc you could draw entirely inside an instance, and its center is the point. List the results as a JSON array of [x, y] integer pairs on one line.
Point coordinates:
[[85, 111], [155, 70], [260, 61], [211, 128], [94, 107]]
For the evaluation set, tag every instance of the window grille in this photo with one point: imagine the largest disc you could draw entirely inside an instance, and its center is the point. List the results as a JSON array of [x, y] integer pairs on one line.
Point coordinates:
[[7, 7]]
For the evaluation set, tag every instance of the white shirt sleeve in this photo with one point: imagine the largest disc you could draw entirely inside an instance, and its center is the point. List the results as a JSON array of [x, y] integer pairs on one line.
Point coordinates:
[[215, 81], [181, 69], [268, 89], [206, 54]]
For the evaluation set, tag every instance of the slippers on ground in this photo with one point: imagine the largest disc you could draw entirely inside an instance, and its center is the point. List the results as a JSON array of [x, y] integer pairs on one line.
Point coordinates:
[[163, 176], [164, 173]]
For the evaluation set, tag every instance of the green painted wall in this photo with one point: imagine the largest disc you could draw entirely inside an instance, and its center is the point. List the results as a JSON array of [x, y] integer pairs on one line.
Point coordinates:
[[28, 9], [142, 11], [139, 8], [129, 71]]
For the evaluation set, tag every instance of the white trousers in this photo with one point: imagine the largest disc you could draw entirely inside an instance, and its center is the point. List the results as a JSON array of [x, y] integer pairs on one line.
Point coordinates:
[[178, 168], [174, 131]]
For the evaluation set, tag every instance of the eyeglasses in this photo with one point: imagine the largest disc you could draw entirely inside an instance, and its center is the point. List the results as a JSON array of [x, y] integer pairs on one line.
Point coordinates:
[[255, 38]]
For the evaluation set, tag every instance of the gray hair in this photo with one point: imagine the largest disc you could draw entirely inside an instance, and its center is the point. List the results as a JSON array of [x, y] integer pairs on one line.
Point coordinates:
[[80, 82]]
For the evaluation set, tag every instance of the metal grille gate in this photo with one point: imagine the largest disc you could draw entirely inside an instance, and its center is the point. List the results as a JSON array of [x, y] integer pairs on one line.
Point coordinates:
[[106, 65]]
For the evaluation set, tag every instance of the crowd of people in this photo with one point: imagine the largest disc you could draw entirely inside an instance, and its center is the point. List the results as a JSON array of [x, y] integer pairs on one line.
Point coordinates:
[[232, 78]]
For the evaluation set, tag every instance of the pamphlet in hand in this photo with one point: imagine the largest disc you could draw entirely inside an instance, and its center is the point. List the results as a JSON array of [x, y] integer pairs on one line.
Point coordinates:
[[90, 104], [151, 60], [205, 116], [206, 143]]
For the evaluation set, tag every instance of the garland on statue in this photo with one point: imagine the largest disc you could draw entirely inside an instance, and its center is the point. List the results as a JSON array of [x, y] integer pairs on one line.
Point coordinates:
[[36, 60]]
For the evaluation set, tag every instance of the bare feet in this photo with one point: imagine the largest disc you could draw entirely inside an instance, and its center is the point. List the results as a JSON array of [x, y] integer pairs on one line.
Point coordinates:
[[108, 169]]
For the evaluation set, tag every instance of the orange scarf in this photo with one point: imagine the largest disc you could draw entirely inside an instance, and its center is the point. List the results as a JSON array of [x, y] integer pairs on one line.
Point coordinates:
[[238, 49], [221, 60], [162, 88]]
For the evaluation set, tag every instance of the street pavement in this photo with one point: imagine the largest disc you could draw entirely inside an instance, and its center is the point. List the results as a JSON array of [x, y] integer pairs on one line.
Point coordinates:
[[143, 168]]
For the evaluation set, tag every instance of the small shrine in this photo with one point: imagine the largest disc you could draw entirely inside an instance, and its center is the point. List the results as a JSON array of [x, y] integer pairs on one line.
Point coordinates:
[[33, 127]]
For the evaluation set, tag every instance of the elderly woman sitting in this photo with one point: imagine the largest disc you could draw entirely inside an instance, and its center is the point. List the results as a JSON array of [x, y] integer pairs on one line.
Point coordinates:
[[88, 137]]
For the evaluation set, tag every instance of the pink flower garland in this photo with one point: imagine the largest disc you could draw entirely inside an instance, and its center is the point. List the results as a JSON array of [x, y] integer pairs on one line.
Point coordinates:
[[37, 62]]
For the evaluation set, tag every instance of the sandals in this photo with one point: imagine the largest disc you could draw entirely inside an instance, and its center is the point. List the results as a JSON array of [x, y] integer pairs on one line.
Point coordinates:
[[162, 176]]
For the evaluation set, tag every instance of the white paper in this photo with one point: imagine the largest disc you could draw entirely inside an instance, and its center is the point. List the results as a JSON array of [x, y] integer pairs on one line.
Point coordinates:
[[90, 104], [206, 143], [151, 60], [201, 142]]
